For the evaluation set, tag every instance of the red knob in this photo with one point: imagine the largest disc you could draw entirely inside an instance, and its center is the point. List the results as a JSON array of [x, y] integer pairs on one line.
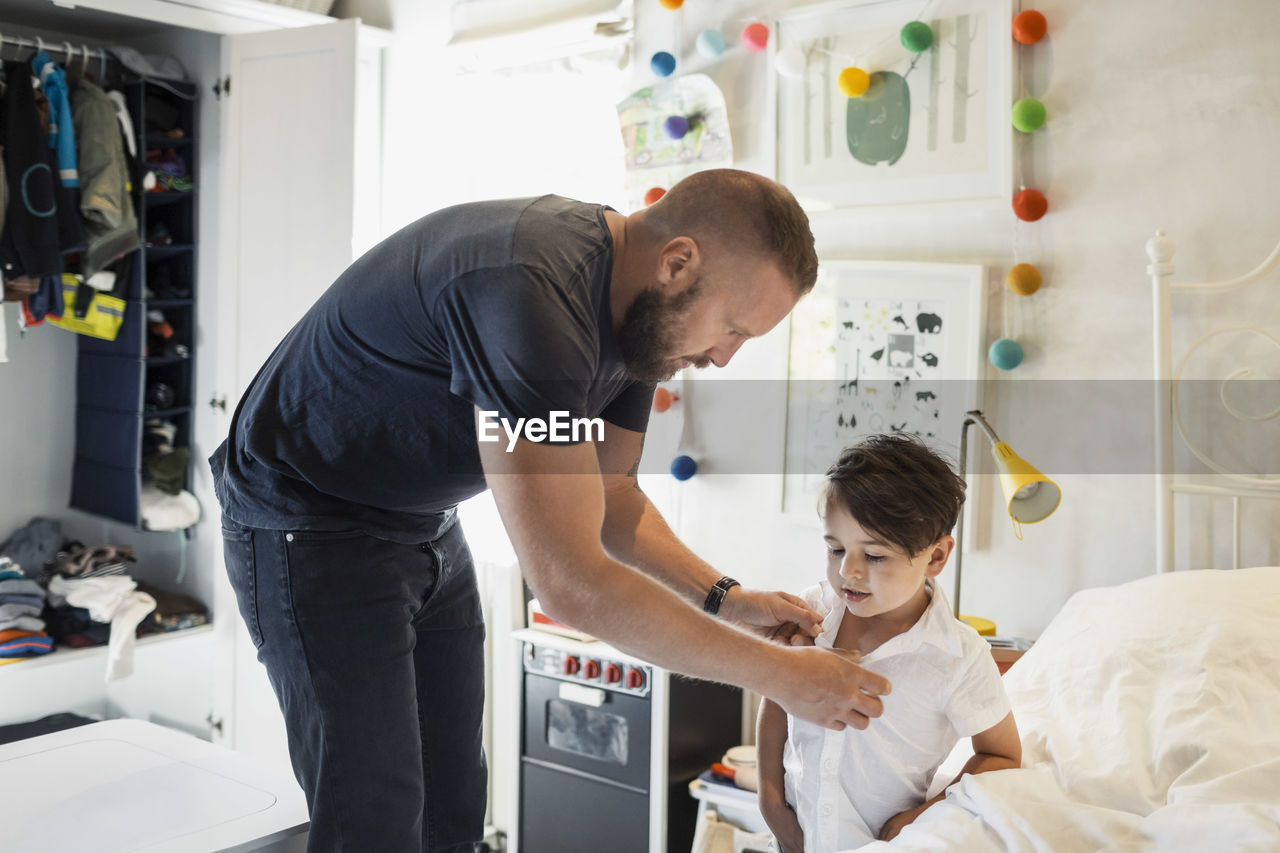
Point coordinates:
[[612, 673], [635, 679], [570, 666], [592, 669]]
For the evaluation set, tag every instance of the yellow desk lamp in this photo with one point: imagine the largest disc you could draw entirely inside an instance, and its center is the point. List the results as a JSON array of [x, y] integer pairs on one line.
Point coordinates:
[[1029, 496]]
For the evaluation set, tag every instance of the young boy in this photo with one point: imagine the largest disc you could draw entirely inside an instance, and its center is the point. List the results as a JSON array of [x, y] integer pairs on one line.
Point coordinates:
[[888, 509]]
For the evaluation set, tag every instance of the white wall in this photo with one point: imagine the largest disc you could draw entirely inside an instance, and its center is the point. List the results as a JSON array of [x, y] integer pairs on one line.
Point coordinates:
[[1161, 115]]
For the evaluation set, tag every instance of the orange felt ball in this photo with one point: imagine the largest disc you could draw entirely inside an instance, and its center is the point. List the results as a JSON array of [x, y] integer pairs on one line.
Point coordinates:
[[653, 194], [671, 4], [1029, 27], [661, 400], [1030, 205]]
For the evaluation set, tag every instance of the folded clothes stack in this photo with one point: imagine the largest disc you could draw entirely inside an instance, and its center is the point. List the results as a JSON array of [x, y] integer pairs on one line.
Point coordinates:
[[22, 633]]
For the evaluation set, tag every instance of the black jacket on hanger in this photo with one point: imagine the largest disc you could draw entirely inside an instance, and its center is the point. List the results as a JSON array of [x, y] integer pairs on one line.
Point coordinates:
[[31, 243]]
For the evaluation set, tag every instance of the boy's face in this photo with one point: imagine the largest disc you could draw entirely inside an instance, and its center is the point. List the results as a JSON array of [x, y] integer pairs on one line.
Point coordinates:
[[873, 577]]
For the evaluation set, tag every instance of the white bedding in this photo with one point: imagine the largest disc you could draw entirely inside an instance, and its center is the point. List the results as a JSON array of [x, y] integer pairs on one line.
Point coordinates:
[[1150, 721]]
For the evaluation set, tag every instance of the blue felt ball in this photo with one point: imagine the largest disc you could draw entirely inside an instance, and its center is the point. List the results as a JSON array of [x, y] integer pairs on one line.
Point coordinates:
[[710, 43], [683, 467], [675, 127], [1005, 354], [663, 63]]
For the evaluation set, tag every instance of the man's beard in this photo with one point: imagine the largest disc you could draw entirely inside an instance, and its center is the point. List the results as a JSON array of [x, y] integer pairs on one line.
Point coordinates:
[[650, 328]]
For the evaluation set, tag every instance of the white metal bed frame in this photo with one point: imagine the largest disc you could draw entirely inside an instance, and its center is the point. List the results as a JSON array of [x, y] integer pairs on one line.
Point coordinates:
[[1160, 251]]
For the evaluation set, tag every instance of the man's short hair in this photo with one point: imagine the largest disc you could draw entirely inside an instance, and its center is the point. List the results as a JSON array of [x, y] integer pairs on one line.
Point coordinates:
[[742, 211], [896, 488]]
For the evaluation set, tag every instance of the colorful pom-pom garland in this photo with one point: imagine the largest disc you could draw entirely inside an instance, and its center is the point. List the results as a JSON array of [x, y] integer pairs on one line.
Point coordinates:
[[710, 43], [1029, 27], [675, 127], [854, 82], [755, 37], [662, 63], [1005, 354], [683, 467], [1030, 205], [1024, 279], [1028, 115], [916, 37]]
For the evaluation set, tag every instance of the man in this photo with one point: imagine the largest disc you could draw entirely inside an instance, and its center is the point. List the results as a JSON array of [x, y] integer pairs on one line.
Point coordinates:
[[353, 445]]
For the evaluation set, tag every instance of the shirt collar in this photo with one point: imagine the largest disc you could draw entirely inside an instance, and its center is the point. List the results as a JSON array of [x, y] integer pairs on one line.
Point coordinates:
[[936, 626]]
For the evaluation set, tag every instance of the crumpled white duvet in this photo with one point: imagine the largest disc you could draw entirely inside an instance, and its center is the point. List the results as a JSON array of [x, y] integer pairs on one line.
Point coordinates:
[[1150, 721]]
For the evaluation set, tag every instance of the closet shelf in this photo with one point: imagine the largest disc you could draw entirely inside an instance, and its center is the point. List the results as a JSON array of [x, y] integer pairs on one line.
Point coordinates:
[[160, 199], [170, 303], [157, 252], [159, 140], [65, 655], [166, 413], [158, 360]]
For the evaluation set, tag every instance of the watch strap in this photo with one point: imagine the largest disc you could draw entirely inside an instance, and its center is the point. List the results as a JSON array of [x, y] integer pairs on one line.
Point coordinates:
[[716, 596]]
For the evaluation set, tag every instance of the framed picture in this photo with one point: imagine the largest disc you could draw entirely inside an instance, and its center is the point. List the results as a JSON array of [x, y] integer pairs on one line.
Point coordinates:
[[879, 347], [932, 126]]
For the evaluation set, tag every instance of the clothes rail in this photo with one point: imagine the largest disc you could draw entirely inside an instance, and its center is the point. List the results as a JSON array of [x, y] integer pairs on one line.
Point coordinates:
[[70, 53]]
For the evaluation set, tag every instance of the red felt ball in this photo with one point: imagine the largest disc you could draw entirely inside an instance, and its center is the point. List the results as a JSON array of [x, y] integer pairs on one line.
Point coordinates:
[[755, 37], [653, 194], [1029, 205], [1029, 27]]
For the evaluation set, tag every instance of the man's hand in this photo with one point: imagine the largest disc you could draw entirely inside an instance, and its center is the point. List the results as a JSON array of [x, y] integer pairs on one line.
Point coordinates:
[[828, 688], [778, 616]]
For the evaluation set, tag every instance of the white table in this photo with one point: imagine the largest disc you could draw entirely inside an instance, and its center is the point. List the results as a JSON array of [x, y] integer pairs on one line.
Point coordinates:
[[132, 785]]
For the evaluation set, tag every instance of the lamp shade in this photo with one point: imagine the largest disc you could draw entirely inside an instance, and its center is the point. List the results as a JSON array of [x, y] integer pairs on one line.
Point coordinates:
[[1029, 495]]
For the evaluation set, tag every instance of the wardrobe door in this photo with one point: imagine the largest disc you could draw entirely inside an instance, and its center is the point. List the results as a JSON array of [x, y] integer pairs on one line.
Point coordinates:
[[289, 158], [286, 224]]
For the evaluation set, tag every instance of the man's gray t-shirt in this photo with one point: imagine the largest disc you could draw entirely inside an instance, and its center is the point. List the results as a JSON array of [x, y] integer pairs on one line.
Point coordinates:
[[364, 416]]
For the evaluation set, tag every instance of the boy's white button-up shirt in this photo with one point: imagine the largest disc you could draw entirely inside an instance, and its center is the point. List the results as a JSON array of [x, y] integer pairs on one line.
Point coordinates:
[[845, 785]]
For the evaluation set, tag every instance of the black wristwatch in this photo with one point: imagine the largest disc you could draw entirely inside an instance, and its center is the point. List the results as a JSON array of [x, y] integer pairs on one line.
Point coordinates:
[[716, 597]]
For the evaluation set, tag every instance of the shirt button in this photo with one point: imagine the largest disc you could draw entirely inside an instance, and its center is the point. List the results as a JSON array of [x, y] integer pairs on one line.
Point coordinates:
[[826, 810], [828, 765], [288, 537]]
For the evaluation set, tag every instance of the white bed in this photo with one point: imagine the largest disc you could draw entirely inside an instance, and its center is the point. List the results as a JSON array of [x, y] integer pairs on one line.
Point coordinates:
[[1150, 720], [1149, 711]]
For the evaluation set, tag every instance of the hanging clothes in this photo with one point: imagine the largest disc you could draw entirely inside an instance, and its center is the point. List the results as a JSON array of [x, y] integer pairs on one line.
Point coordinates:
[[110, 223], [30, 243], [52, 81], [4, 192]]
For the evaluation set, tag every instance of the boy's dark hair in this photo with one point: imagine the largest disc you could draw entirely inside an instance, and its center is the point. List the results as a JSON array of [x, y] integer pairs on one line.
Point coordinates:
[[898, 489]]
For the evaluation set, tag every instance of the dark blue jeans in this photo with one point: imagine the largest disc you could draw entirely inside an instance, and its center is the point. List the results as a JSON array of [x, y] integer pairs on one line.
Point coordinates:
[[375, 652]]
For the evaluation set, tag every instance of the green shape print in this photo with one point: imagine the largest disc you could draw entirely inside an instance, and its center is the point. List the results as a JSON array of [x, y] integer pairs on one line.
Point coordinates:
[[876, 123]]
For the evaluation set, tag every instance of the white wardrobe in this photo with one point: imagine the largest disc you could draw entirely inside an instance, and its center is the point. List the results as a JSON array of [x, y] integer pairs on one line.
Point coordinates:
[[290, 116]]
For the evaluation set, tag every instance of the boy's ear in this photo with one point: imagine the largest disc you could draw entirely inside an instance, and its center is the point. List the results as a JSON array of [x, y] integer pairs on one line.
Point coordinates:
[[939, 553]]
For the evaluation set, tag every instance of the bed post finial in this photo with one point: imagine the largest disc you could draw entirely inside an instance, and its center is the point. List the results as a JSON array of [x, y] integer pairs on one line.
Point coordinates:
[[1160, 249]]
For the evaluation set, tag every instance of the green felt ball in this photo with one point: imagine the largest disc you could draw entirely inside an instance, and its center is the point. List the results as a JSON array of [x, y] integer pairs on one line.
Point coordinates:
[[1028, 115], [917, 36]]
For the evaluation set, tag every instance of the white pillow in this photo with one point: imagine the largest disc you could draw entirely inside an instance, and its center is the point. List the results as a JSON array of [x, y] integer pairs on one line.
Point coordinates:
[[1162, 690]]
